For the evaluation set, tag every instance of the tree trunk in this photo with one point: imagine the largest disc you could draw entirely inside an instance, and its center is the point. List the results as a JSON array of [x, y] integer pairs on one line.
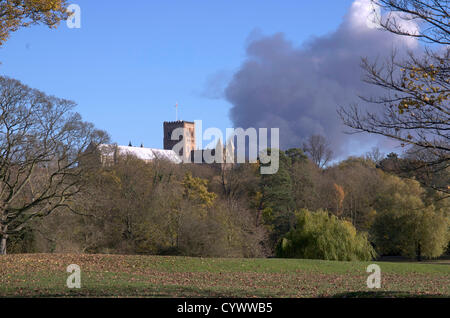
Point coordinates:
[[419, 252], [3, 238], [3, 244]]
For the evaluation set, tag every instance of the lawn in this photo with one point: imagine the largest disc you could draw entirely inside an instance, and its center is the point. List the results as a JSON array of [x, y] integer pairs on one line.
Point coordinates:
[[44, 275]]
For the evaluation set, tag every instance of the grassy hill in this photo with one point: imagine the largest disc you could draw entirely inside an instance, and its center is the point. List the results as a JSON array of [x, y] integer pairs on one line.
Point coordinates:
[[44, 275]]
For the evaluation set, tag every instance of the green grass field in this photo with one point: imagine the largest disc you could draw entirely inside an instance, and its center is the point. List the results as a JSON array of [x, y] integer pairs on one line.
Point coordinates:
[[44, 275]]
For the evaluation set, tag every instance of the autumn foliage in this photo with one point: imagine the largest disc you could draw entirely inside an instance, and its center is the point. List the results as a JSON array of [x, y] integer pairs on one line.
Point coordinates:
[[16, 14]]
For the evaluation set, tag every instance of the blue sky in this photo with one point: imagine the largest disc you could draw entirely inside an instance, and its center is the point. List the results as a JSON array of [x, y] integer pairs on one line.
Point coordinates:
[[132, 61]]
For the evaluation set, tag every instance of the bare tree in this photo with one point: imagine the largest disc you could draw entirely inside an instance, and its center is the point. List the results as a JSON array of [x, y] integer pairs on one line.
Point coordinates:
[[41, 144], [416, 107], [318, 149], [375, 155], [432, 15]]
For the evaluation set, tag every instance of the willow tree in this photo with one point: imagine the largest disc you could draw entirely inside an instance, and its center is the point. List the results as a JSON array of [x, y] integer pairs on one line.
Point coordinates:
[[42, 143], [317, 235], [16, 14]]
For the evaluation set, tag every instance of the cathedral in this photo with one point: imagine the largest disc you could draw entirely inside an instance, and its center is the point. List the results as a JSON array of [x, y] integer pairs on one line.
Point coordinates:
[[110, 153], [182, 131]]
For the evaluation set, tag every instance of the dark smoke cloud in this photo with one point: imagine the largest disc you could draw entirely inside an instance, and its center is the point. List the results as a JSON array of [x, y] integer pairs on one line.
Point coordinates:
[[298, 89]]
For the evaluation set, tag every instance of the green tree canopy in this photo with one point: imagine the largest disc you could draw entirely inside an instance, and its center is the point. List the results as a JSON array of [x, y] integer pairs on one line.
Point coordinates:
[[404, 225], [320, 236]]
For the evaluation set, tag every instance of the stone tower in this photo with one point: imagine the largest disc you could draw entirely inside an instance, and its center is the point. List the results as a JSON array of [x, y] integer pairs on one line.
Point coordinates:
[[189, 136]]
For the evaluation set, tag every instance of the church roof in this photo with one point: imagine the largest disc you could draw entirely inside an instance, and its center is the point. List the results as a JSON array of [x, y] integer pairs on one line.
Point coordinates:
[[142, 153]]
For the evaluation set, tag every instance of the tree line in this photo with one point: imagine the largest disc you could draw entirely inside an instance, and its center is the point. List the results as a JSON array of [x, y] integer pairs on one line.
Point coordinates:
[[54, 197], [353, 210]]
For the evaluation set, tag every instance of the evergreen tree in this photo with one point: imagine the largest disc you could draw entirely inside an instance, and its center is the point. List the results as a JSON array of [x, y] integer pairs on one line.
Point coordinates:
[[277, 200]]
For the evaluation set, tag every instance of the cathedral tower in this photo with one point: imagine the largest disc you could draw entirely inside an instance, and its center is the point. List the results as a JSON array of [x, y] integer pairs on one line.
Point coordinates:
[[188, 139]]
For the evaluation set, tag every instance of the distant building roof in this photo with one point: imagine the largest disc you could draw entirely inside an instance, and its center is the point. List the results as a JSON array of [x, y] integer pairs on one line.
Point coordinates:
[[178, 122], [147, 154]]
